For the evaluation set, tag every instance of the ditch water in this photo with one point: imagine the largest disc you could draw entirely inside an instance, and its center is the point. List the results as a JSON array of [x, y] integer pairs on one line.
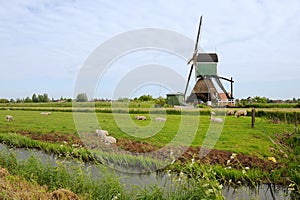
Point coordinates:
[[243, 192]]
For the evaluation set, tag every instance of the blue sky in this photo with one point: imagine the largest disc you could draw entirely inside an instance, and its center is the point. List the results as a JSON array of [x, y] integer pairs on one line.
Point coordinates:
[[43, 44]]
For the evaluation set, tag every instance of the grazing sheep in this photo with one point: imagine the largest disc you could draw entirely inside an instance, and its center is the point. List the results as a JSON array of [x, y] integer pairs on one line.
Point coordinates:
[[241, 113], [45, 113], [160, 119], [230, 112], [102, 133], [110, 140], [218, 120], [9, 118], [141, 117]]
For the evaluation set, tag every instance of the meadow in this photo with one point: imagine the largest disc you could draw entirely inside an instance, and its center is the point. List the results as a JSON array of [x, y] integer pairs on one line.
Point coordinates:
[[58, 134]]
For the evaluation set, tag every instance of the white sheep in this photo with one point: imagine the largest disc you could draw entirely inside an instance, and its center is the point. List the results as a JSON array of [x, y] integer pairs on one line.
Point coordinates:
[[160, 119], [45, 113], [141, 117], [109, 140], [102, 133], [230, 112], [9, 118], [241, 113], [213, 119]]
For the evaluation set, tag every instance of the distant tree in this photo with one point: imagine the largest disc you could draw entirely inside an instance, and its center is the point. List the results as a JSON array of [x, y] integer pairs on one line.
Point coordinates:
[[40, 98], [3, 100], [258, 99], [146, 98], [28, 100], [12, 100], [18, 100], [45, 98], [123, 99], [82, 97], [160, 101], [34, 98]]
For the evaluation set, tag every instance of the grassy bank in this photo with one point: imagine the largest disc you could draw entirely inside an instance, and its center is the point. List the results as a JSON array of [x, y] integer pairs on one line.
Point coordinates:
[[109, 186]]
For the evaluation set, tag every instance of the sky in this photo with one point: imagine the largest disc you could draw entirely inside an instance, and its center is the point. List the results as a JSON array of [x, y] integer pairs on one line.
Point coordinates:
[[45, 43]]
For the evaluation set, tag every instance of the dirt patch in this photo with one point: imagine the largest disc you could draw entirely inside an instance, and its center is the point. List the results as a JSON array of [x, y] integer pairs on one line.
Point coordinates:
[[213, 156], [63, 138]]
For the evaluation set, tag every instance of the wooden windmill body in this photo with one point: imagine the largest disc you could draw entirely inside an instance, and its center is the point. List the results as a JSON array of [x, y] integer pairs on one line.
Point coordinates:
[[207, 79]]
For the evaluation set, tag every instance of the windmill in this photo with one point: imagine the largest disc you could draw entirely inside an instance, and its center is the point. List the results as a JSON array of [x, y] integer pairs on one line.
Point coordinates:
[[208, 87]]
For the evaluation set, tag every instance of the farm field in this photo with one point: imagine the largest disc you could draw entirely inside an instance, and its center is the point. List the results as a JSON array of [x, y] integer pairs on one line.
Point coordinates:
[[237, 134], [252, 147]]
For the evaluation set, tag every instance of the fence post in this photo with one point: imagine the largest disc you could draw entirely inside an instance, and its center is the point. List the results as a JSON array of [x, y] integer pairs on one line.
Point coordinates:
[[253, 117]]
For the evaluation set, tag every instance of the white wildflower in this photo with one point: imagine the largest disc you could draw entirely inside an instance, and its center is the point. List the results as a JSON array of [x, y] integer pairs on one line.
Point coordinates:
[[233, 155], [244, 171], [228, 162], [247, 168], [220, 186], [193, 160], [172, 162]]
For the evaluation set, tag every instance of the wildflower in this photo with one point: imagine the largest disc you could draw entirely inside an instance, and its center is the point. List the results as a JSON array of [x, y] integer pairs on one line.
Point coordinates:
[[210, 191], [230, 181], [228, 167], [228, 162], [172, 162], [193, 160], [169, 172], [233, 155], [220, 186], [171, 153], [247, 168], [181, 174], [244, 171], [239, 182]]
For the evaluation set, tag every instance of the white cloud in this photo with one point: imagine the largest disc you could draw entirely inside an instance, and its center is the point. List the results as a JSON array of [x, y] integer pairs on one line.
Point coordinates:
[[255, 40]]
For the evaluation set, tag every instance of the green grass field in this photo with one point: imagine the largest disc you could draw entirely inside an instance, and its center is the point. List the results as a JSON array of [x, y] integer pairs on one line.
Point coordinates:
[[237, 134]]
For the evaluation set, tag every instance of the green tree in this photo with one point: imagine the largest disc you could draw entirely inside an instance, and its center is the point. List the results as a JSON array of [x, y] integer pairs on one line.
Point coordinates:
[[260, 99], [45, 98], [160, 102], [81, 97], [34, 98], [4, 100], [146, 98], [28, 100]]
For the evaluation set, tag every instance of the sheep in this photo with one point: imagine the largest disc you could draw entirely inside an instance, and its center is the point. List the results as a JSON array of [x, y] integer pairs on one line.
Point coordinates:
[[218, 120], [102, 133], [160, 119], [141, 117], [241, 113], [45, 113], [9, 118], [109, 140], [230, 112]]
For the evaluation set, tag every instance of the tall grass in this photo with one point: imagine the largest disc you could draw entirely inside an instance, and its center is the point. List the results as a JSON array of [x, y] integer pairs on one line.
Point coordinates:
[[81, 181]]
